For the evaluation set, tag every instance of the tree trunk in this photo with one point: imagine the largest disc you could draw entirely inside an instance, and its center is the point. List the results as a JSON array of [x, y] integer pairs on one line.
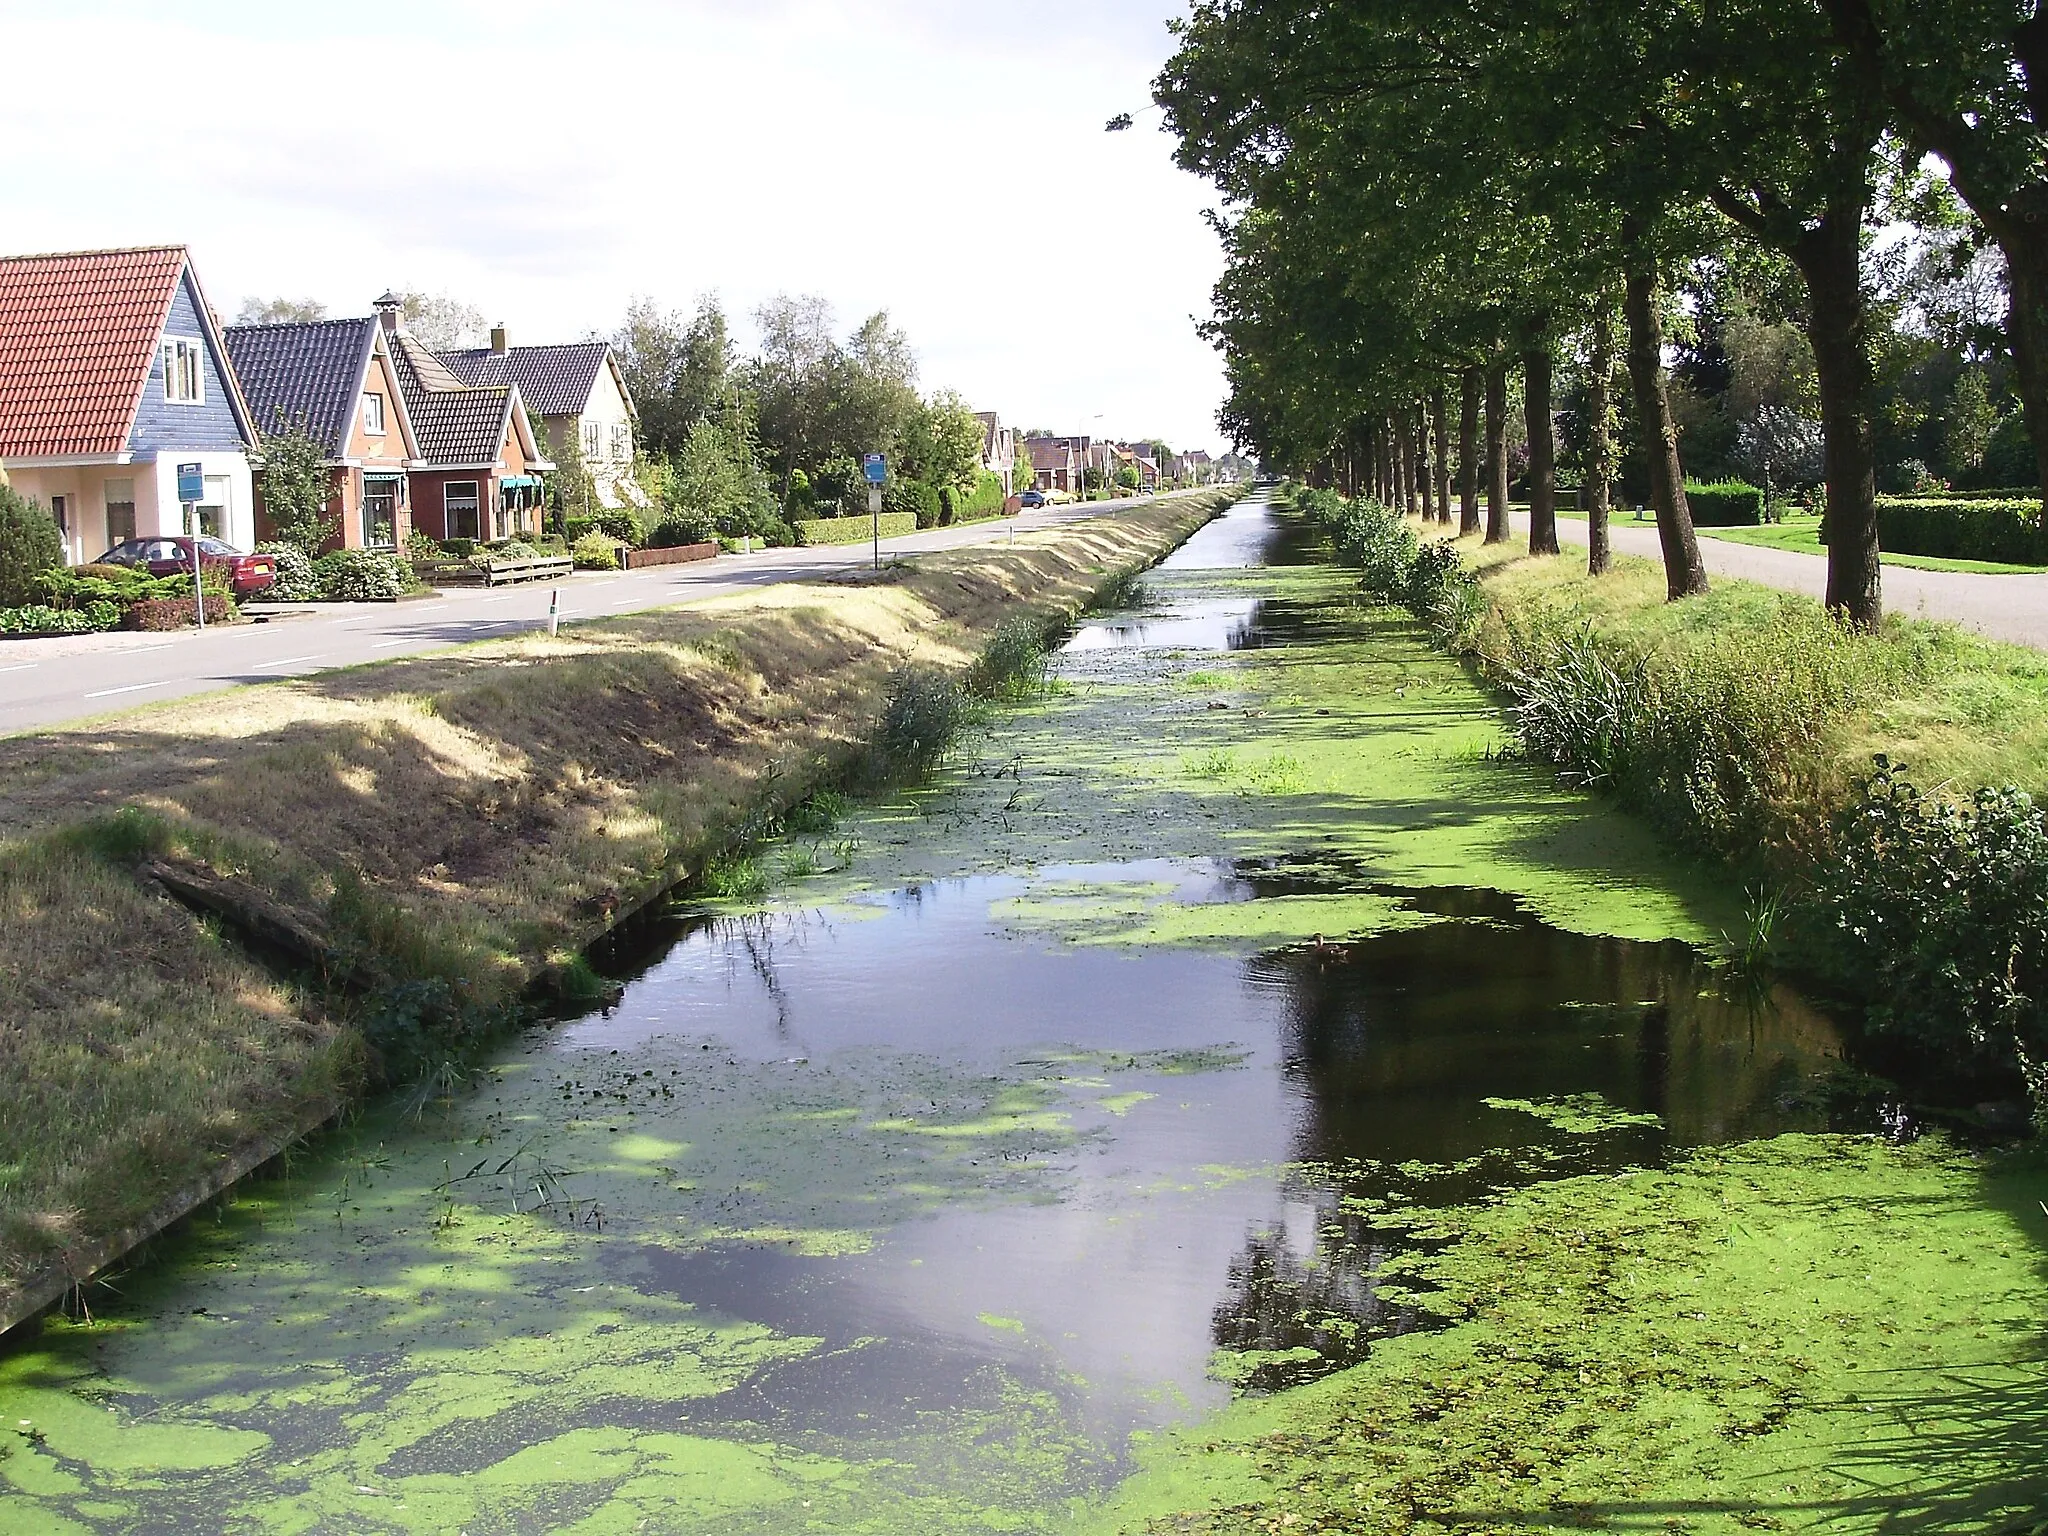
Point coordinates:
[[1404, 464], [1829, 257], [1425, 471], [1383, 491], [1497, 451], [1536, 413], [1599, 441], [1439, 412], [1684, 574], [1468, 453], [2026, 327]]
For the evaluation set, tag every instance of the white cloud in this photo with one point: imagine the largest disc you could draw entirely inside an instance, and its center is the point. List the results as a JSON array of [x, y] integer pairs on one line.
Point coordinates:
[[547, 162]]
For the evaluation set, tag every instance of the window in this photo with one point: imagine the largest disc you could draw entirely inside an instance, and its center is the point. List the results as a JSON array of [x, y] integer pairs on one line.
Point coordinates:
[[184, 372], [373, 414], [380, 510], [60, 514], [213, 512], [120, 496], [593, 439], [459, 509], [622, 441]]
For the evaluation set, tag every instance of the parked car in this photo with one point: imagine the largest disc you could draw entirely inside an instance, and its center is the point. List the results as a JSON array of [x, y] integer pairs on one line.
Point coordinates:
[[173, 557], [1032, 498]]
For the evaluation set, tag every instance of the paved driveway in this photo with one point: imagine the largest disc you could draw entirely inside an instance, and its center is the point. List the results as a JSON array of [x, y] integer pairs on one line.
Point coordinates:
[[47, 682], [2005, 607]]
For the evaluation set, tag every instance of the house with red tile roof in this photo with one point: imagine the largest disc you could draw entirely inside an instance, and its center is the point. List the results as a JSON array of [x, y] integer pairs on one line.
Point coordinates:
[[480, 462], [578, 391], [998, 448], [337, 381], [113, 373]]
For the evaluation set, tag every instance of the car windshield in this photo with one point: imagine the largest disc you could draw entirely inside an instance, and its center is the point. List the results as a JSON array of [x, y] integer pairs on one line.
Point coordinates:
[[215, 547], [122, 554]]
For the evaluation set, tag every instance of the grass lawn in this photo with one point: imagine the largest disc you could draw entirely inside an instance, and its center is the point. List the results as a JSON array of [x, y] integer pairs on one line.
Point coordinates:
[[1801, 535]]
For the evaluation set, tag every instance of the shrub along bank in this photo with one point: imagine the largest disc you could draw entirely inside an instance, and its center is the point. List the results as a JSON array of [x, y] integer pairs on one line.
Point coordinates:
[[1751, 726], [415, 846]]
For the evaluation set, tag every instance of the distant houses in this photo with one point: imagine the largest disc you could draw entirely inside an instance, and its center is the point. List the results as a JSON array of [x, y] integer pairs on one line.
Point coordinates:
[[115, 375]]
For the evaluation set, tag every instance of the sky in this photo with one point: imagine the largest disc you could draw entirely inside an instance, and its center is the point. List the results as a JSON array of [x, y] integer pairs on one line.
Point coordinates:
[[547, 162]]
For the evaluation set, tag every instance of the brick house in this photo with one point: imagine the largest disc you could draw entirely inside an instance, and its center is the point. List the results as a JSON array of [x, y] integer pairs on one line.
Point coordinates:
[[337, 380], [580, 395]]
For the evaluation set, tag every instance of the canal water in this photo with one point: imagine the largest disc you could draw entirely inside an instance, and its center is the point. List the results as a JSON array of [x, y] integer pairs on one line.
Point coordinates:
[[1036, 1110]]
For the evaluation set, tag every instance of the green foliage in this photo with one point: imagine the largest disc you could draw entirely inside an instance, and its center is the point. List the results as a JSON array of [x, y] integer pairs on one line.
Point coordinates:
[[915, 498], [1016, 662], [29, 545], [1129, 478], [118, 584], [678, 369], [940, 444], [37, 619], [1726, 504], [924, 711], [719, 477], [1963, 528], [596, 552], [460, 549], [985, 500], [360, 576], [295, 582], [1932, 917], [677, 529], [854, 530], [421, 547], [296, 486]]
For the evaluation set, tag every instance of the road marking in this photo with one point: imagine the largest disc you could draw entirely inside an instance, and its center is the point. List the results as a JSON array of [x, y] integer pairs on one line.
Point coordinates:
[[385, 645], [27, 666], [144, 650], [289, 661], [105, 693]]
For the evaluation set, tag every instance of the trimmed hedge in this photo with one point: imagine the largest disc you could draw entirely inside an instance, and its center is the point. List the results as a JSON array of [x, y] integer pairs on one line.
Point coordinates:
[[855, 530], [1963, 528], [156, 613], [1725, 504]]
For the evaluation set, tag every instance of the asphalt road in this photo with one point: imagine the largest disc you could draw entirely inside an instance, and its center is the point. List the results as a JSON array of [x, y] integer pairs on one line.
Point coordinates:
[[51, 681], [2011, 608]]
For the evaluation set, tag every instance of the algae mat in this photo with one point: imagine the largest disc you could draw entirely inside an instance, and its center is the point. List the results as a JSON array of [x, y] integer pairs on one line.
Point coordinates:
[[1158, 1057]]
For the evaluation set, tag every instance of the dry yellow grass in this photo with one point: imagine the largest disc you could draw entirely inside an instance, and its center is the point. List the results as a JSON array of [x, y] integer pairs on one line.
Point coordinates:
[[467, 819]]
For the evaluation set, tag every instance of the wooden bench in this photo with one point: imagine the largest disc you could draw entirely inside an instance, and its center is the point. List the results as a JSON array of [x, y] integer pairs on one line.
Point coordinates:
[[545, 568]]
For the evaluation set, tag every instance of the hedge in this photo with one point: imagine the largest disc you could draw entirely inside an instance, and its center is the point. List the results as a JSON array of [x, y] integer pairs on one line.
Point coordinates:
[[856, 529], [1963, 528], [155, 613], [1725, 504]]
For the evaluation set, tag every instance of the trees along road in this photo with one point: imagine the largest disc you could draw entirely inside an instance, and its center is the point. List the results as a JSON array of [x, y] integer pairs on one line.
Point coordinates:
[[2011, 608], [51, 681]]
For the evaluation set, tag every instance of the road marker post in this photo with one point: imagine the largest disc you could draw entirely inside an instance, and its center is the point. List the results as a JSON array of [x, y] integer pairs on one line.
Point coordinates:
[[554, 611]]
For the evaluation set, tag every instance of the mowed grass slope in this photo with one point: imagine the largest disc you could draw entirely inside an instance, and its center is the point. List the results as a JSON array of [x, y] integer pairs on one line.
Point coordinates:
[[449, 828]]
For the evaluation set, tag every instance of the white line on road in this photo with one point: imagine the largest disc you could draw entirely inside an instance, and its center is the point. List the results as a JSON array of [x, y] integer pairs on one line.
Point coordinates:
[[385, 645], [143, 650], [105, 693], [289, 661], [26, 666]]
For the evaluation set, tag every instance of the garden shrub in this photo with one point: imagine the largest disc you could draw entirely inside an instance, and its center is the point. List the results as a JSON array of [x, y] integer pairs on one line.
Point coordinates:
[[39, 619], [596, 551], [359, 576], [623, 524], [575, 525], [679, 528], [1963, 528], [921, 501], [420, 547], [985, 500], [29, 545], [295, 582], [1725, 504], [161, 613], [1932, 916]]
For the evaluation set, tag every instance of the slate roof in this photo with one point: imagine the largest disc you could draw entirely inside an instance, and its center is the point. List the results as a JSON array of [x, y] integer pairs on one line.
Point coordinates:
[[554, 380], [78, 335], [310, 372]]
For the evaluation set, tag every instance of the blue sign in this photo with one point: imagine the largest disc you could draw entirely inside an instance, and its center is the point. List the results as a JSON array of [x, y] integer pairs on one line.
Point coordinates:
[[875, 467], [191, 482]]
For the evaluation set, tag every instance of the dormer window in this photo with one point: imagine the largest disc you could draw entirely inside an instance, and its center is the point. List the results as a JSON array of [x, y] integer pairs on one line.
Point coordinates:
[[184, 371], [373, 413]]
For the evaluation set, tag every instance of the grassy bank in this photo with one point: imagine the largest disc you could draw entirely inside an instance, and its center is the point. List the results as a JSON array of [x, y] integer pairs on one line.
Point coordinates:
[[420, 843], [1801, 535]]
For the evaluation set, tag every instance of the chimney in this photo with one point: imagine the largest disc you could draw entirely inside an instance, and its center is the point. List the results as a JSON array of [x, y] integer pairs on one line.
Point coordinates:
[[500, 344], [391, 312]]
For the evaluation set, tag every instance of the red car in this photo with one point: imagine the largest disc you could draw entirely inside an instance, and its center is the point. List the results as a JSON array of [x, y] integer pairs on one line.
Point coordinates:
[[172, 556]]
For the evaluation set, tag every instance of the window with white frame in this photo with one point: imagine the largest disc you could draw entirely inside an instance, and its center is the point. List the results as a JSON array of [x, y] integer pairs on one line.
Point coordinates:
[[184, 371], [373, 413], [593, 439], [622, 442], [120, 498], [459, 509]]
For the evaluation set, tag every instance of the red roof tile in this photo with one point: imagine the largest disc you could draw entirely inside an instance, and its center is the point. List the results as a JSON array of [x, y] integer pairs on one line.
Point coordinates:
[[78, 334]]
